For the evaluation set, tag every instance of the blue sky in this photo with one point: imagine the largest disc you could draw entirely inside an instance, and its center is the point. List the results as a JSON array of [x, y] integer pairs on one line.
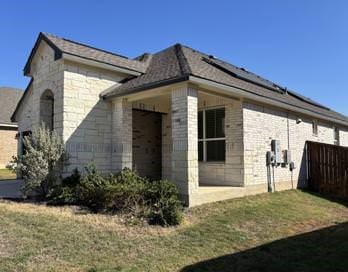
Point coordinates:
[[302, 45]]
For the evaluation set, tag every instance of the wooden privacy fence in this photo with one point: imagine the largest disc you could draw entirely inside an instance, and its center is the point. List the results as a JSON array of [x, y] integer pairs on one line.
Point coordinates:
[[327, 168]]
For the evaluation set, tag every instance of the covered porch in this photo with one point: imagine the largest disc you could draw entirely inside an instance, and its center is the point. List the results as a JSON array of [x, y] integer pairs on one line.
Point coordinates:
[[188, 135]]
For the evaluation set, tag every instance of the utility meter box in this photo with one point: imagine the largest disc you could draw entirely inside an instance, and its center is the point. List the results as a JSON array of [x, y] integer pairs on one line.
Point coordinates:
[[287, 156], [275, 144], [270, 158]]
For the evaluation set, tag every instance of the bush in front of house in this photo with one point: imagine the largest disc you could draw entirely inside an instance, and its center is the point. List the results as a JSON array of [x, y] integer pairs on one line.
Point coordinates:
[[126, 193], [162, 196], [39, 165], [65, 192]]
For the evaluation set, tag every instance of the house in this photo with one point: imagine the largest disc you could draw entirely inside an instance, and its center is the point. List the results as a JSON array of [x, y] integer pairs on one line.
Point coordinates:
[[177, 114], [9, 98]]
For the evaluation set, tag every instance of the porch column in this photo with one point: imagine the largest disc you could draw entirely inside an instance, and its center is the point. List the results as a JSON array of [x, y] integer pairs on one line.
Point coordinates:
[[185, 141], [121, 134]]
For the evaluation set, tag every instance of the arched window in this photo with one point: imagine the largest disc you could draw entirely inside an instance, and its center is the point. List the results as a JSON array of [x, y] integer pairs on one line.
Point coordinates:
[[47, 109]]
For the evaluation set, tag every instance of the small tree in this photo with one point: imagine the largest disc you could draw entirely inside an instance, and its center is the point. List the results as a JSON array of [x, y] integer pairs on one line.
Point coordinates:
[[39, 165]]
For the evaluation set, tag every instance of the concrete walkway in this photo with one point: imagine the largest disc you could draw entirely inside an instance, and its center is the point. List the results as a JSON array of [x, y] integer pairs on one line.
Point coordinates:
[[11, 188]]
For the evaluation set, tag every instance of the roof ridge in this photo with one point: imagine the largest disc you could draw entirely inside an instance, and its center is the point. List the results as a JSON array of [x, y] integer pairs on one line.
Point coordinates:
[[194, 50], [86, 45], [182, 60]]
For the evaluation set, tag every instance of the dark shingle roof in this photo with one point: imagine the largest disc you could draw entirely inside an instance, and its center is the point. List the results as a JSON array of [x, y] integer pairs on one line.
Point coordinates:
[[61, 45], [178, 62], [165, 66], [9, 98]]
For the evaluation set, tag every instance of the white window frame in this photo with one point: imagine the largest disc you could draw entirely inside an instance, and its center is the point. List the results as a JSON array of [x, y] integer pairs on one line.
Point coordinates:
[[205, 139]]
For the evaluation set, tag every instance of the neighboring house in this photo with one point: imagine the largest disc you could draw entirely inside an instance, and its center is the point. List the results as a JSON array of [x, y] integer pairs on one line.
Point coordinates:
[[177, 114], [9, 98]]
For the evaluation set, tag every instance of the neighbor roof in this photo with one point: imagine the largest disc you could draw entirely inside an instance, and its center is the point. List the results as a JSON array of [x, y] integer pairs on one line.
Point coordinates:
[[9, 98], [61, 45], [178, 62]]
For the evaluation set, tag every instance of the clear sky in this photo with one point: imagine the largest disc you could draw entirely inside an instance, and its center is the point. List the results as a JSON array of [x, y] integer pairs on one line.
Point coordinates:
[[300, 44]]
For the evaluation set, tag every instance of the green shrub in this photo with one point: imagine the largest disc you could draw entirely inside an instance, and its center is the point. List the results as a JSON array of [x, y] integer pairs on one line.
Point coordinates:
[[62, 195], [126, 192], [166, 209], [66, 192], [91, 190], [41, 162]]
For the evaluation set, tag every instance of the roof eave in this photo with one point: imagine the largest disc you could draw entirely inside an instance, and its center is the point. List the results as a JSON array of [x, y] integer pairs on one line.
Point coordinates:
[[243, 93], [144, 87]]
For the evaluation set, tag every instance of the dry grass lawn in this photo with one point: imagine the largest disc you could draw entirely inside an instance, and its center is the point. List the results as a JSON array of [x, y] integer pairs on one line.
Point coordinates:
[[286, 231]]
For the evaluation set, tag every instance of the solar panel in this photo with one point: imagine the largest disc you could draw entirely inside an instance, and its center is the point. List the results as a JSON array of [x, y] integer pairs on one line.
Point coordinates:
[[253, 78]]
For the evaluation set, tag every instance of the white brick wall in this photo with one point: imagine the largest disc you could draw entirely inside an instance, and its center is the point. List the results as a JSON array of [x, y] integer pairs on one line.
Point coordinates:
[[264, 123], [343, 136]]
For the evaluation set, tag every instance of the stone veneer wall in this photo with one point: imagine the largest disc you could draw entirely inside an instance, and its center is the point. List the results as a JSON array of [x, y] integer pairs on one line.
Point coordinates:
[[48, 75], [88, 118], [8, 145], [80, 116], [264, 123]]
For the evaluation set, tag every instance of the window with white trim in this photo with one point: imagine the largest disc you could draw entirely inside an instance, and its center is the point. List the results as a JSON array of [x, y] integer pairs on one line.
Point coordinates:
[[336, 136], [211, 135]]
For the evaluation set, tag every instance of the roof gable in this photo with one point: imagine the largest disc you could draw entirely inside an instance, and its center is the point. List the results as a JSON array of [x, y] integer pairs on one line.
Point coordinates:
[[64, 46], [41, 37]]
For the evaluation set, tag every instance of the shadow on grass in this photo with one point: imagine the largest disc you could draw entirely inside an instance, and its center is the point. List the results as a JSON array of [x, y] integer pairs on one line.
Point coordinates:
[[321, 250], [331, 197]]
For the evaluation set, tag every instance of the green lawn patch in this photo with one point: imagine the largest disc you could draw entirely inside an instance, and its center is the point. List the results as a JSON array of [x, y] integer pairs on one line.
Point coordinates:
[[7, 174], [285, 231]]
